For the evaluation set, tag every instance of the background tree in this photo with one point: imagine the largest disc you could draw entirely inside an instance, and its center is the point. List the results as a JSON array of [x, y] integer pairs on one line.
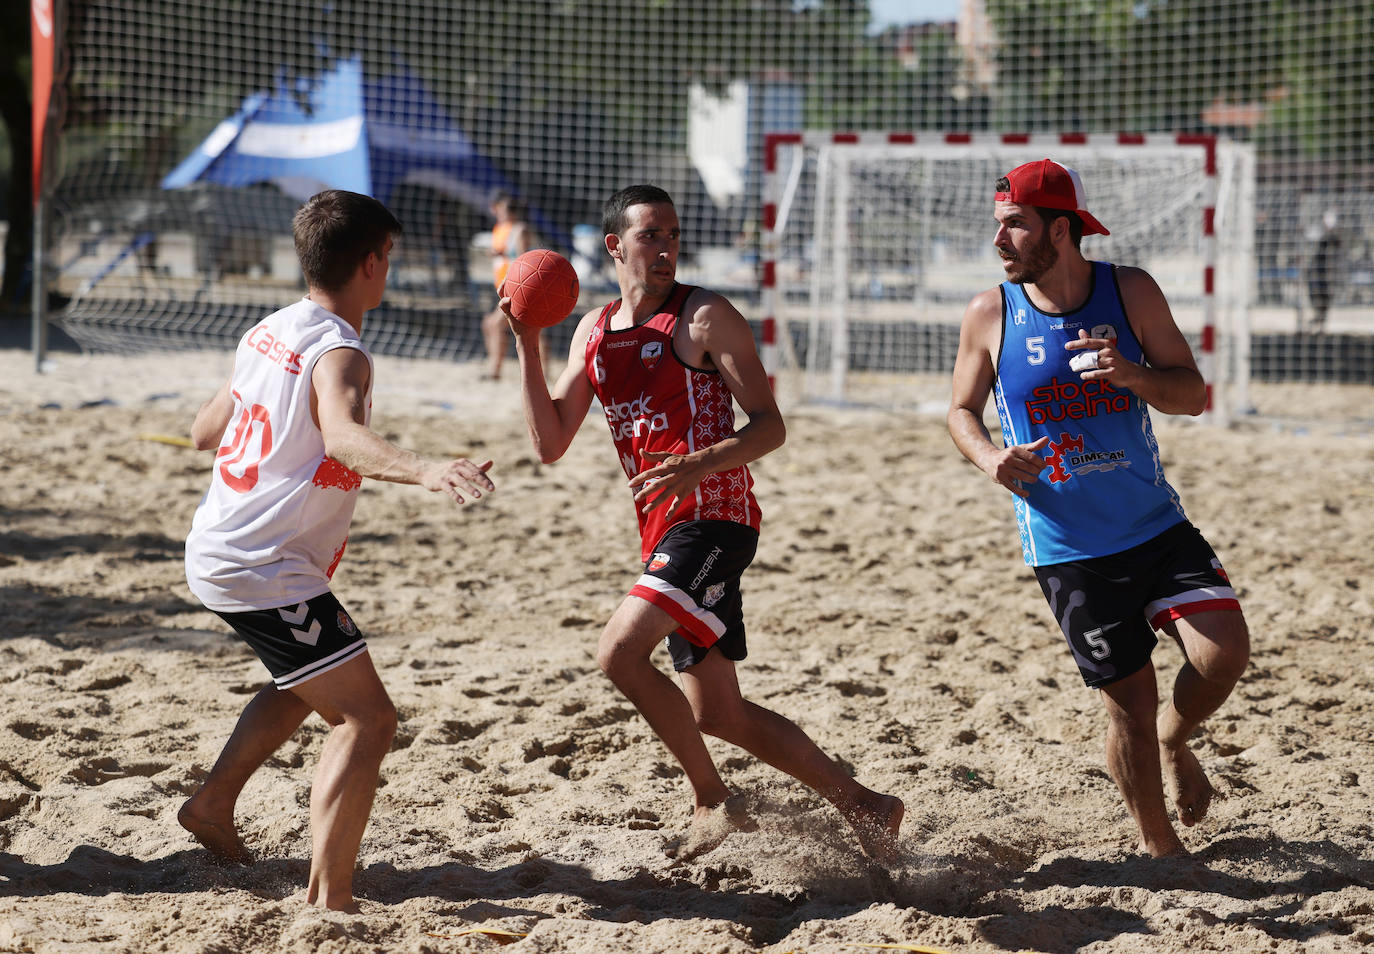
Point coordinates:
[[591, 73], [1321, 108], [1136, 65]]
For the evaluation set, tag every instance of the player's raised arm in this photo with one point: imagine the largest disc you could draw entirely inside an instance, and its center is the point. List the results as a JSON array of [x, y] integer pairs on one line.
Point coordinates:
[[340, 390], [553, 417]]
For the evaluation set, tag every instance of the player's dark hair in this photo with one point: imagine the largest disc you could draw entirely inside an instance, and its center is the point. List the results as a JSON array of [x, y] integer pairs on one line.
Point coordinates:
[[1049, 215], [614, 221], [335, 231]]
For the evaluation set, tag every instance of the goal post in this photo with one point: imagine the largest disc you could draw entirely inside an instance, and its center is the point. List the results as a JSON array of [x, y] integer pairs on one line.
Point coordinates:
[[875, 242]]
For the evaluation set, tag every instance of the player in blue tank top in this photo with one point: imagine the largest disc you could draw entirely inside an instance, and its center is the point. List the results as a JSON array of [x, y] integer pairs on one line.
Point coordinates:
[[1076, 353], [1098, 436]]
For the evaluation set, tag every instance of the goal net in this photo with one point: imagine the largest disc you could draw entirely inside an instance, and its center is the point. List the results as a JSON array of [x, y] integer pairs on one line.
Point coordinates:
[[878, 241], [180, 138]]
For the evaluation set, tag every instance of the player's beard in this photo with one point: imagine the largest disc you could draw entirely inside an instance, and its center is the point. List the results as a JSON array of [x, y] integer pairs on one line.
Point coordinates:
[[1037, 260]]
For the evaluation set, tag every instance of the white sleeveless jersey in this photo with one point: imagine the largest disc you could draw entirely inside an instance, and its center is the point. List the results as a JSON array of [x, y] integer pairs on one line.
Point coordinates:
[[273, 525]]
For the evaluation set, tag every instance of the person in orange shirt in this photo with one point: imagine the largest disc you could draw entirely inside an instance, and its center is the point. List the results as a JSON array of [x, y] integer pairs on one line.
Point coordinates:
[[510, 237]]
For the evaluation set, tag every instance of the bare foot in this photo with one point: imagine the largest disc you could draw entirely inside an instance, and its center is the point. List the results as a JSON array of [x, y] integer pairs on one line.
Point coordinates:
[[876, 820], [220, 839], [1166, 848], [1186, 784], [345, 904], [711, 825]]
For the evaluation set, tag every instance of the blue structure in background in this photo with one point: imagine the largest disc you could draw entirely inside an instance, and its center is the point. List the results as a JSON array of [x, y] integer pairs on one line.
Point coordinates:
[[345, 131], [298, 138]]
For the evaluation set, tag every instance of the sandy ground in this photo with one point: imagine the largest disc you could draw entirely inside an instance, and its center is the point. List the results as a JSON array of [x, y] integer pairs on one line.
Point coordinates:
[[890, 615]]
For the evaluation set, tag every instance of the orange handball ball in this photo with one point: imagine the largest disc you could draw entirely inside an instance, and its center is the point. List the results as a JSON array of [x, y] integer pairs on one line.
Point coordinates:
[[542, 287]]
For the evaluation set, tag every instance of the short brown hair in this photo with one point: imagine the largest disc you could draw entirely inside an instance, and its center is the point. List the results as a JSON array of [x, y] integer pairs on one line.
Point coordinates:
[[614, 221], [334, 233]]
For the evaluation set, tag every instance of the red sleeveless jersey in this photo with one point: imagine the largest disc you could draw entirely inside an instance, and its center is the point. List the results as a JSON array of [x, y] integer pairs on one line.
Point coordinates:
[[655, 402]]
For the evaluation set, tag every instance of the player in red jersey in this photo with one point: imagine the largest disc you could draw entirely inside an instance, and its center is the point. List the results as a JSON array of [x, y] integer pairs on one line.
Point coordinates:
[[667, 362]]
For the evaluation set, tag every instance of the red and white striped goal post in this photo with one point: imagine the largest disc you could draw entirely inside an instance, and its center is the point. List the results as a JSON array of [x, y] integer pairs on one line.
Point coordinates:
[[1049, 142]]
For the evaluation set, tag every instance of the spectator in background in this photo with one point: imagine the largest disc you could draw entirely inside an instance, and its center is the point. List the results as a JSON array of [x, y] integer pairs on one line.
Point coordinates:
[[1321, 267], [510, 237]]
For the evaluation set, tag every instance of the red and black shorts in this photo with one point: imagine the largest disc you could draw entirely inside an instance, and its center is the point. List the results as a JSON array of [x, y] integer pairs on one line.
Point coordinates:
[[299, 642], [1109, 607], [694, 576]]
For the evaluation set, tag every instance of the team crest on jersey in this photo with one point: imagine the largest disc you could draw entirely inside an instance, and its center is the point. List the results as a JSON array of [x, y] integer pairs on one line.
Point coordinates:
[[650, 353], [658, 561], [1104, 331], [1068, 457], [346, 624], [712, 595]]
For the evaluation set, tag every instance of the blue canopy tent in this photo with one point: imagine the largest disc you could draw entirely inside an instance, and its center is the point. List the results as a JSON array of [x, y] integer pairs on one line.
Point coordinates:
[[346, 131], [298, 138], [386, 136]]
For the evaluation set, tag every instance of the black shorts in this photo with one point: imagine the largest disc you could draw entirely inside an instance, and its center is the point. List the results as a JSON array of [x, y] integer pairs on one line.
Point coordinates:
[[1109, 607], [693, 575], [299, 642]]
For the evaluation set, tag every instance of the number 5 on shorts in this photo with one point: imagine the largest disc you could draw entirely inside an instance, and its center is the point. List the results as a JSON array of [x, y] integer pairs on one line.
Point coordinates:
[[1100, 649]]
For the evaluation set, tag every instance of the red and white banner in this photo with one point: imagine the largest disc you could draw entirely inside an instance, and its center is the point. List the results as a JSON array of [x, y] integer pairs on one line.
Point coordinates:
[[44, 55]]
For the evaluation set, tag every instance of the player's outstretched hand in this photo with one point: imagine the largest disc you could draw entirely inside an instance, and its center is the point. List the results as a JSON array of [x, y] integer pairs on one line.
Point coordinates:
[[456, 477], [1018, 466], [672, 478]]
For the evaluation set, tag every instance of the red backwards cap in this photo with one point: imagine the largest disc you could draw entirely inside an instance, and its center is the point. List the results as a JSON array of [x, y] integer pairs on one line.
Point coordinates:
[[1050, 185]]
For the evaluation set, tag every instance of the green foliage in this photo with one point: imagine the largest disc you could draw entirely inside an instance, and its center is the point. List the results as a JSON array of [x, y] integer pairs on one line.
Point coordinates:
[[150, 77], [1328, 79], [1159, 65]]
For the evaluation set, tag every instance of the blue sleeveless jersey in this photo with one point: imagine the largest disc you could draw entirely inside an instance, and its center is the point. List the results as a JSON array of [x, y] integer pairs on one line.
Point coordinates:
[[1103, 490]]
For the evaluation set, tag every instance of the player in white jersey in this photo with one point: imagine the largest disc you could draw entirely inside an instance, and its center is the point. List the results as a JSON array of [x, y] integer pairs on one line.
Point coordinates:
[[290, 429]]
